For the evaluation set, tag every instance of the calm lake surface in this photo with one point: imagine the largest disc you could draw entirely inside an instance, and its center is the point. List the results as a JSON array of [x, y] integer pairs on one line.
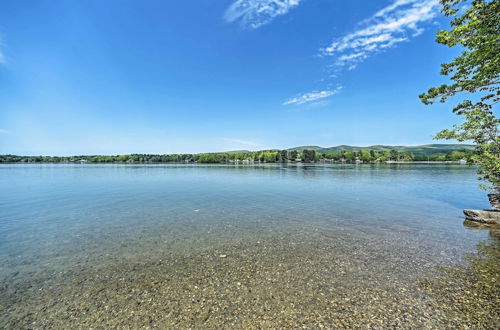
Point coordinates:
[[261, 246]]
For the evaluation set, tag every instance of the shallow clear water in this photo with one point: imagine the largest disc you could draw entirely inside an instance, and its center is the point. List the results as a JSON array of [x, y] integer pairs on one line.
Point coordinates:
[[236, 246]]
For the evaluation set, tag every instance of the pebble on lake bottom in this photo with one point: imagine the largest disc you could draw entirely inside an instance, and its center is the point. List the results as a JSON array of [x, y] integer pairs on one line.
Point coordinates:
[[282, 282]]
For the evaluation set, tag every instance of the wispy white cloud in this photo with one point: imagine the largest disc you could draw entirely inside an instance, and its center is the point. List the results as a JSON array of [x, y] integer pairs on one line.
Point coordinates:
[[391, 25], [313, 96], [252, 14], [243, 142]]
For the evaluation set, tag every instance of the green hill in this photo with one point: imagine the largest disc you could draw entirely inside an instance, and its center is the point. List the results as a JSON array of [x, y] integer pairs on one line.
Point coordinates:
[[300, 148], [427, 149], [238, 151]]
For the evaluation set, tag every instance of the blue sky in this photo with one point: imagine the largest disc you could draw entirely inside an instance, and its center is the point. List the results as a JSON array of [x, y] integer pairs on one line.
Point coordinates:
[[117, 77]]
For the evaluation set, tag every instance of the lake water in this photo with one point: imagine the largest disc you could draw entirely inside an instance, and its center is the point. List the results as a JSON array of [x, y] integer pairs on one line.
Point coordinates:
[[258, 246]]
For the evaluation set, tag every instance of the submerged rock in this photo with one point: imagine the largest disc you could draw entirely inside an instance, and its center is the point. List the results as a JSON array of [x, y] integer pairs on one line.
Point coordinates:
[[483, 216]]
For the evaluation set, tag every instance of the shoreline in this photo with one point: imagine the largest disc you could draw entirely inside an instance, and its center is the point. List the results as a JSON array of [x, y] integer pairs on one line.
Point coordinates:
[[248, 163]]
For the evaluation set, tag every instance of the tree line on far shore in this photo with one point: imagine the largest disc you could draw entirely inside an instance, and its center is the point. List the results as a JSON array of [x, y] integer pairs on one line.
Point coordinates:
[[266, 156]]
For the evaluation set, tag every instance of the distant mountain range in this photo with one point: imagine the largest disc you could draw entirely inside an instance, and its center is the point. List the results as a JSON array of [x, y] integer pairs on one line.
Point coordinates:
[[427, 149]]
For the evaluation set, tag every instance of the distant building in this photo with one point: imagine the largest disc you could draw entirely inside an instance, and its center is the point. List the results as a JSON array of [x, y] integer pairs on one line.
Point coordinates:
[[462, 162]]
